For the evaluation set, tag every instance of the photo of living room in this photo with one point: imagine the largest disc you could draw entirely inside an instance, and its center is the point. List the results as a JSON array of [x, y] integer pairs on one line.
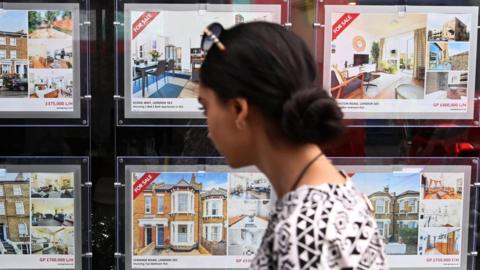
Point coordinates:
[[52, 212], [449, 27], [442, 186], [52, 185], [49, 83], [446, 85], [53, 240], [51, 24], [166, 55], [372, 60], [439, 241], [448, 55], [44, 53], [445, 213], [249, 186]]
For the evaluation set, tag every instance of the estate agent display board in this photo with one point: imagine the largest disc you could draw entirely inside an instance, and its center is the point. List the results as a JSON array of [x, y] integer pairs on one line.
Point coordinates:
[[162, 55], [39, 60], [402, 62], [41, 204], [184, 214]]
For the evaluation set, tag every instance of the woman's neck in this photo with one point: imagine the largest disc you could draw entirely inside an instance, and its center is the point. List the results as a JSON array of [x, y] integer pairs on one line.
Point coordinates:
[[282, 164]]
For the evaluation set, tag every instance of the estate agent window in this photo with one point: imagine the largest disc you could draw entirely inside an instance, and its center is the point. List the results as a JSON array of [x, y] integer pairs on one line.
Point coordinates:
[[17, 190], [20, 210]]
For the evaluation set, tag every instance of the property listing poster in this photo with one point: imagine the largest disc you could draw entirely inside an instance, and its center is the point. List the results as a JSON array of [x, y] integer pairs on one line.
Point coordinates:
[[198, 219], [37, 220], [163, 57], [420, 215], [36, 61], [386, 62]]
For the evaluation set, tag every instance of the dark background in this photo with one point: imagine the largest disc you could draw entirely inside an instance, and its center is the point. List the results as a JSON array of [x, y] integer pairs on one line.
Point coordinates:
[[103, 140]]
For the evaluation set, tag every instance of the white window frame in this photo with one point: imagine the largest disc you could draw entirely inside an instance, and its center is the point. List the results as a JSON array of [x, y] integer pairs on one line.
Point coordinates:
[[414, 206], [160, 198], [25, 230], [377, 205], [2, 208], [17, 208], [13, 54], [208, 210], [174, 233], [208, 232], [189, 203], [17, 190], [3, 54], [13, 41], [3, 41], [1, 191], [148, 197]]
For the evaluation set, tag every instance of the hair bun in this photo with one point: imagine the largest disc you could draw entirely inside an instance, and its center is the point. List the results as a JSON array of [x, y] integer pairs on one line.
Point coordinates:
[[312, 116]]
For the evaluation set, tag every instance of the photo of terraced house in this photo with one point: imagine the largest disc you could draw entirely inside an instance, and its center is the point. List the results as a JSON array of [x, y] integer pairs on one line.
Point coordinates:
[[13, 54], [181, 214], [449, 27], [14, 213], [395, 198], [442, 186]]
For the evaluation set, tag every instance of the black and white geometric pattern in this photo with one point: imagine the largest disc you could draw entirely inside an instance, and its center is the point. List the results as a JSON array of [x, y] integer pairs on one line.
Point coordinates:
[[321, 227]]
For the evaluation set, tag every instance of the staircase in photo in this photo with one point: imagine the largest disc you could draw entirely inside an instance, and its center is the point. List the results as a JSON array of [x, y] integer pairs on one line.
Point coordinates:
[[9, 248]]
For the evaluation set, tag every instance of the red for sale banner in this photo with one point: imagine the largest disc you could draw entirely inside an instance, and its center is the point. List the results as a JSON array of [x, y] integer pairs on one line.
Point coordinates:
[[141, 23], [141, 184], [343, 23]]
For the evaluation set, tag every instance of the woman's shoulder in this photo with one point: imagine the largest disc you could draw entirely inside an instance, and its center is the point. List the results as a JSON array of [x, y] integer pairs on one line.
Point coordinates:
[[328, 218]]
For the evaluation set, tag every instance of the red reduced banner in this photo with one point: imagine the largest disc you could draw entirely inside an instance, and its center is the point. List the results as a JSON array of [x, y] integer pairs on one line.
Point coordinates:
[[141, 184], [343, 23], [141, 23]]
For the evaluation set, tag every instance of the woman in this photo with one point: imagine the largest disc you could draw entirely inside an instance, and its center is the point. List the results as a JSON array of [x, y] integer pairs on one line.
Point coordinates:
[[260, 95]]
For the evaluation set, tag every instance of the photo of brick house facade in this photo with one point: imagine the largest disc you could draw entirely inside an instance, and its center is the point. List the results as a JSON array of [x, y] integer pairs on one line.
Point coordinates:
[[13, 53], [176, 214], [396, 210], [15, 213]]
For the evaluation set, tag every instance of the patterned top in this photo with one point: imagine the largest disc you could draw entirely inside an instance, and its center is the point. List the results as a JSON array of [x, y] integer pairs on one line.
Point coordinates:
[[321, 227]]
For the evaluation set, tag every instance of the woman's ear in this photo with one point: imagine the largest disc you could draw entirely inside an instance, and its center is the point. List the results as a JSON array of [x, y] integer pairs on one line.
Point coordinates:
[[241, 111]]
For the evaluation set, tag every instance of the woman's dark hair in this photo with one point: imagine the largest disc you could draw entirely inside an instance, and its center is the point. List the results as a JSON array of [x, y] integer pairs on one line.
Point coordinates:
[[274, 70]]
